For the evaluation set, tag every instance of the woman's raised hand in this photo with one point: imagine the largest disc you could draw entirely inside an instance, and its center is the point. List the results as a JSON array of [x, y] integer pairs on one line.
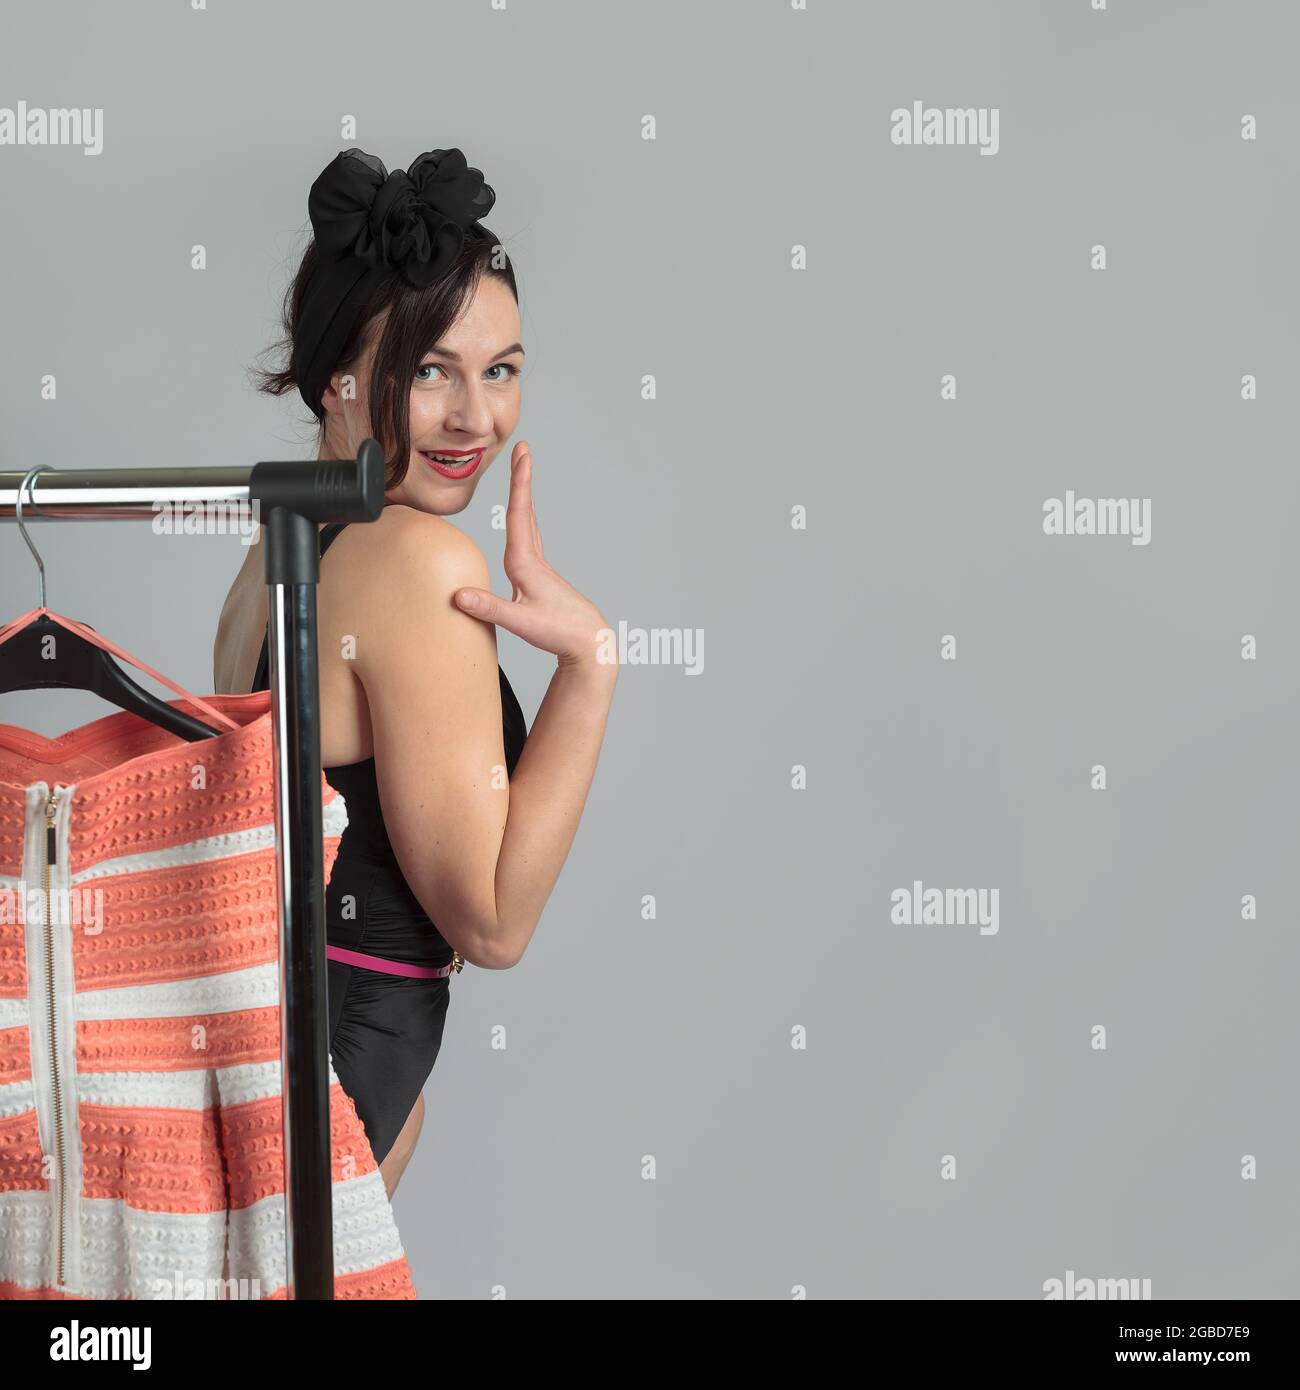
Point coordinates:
[[544, 609]]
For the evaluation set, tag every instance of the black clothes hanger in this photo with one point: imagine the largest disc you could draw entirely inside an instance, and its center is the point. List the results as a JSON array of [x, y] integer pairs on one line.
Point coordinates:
[[78, 664]]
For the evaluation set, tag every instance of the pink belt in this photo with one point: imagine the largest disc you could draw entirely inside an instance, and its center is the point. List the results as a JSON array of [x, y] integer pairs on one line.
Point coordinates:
[[394, 967]]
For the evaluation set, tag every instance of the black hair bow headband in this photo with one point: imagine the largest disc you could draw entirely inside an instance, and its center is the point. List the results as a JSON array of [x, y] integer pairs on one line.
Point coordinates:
[[369, 224]]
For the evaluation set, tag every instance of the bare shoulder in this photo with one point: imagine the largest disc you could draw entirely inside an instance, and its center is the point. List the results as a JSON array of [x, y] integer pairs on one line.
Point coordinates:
[[412, 548], [392, 588]]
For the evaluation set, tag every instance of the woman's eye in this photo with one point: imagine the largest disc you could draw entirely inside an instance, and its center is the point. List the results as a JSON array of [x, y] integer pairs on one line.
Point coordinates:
[[509, 368]]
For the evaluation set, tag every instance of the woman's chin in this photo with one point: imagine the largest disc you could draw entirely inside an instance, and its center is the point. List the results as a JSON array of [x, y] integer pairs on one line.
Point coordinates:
[[448, 505]]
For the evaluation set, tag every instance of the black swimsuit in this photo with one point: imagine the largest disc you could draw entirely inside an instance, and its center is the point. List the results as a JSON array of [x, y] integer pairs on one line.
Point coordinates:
[[385, 1030]]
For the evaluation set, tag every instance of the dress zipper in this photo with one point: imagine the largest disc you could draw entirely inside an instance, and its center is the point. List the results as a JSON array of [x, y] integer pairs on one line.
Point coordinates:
[[51, 859]]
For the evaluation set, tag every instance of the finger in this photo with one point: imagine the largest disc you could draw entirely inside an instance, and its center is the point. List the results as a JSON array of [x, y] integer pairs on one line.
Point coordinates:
[[532, 512], [518, 618], [520, 535]]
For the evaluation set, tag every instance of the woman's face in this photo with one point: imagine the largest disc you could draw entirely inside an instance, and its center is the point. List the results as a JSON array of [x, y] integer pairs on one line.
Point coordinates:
[[464, 401]]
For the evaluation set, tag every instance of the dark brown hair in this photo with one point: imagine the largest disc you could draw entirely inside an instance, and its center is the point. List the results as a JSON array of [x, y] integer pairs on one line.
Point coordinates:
[[417, 319]]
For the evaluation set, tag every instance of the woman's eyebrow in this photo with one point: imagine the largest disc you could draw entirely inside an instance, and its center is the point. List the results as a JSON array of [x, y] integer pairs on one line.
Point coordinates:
[[505, 352]]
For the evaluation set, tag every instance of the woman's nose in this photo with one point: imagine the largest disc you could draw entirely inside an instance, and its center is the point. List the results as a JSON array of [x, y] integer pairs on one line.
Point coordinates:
[[470, 412]]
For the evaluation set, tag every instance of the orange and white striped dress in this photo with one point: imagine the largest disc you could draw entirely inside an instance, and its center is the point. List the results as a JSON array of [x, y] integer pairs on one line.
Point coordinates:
[[141, 1148]]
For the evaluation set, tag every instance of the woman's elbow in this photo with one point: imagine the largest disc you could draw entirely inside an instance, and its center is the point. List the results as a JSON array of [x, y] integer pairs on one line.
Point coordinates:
[[473, 930], [493, 951]]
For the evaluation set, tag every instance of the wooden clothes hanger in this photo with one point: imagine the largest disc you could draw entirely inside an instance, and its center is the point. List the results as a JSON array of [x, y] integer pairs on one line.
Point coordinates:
[[45, 650]]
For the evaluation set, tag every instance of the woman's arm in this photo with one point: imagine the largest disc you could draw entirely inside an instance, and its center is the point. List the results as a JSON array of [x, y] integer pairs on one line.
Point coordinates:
[[481, 852], [547, 794]]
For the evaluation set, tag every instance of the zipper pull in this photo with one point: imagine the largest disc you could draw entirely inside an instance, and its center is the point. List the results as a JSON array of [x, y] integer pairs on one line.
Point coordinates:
[[51, 835]]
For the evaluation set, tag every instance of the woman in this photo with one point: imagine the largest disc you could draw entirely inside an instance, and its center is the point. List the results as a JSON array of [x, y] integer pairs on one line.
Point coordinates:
[[403, 325]]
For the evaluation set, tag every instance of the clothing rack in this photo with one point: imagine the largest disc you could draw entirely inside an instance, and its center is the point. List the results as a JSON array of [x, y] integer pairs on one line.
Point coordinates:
[[290, 500]]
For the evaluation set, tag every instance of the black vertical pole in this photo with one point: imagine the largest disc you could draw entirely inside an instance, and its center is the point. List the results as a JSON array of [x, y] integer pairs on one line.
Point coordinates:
[[292, 571]]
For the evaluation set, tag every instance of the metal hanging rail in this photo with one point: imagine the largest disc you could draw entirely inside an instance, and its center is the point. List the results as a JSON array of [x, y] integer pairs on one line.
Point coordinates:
[[290, 500]]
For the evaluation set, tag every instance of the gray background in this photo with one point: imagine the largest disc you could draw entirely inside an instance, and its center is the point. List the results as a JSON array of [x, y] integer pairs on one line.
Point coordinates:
[[776, 1167]]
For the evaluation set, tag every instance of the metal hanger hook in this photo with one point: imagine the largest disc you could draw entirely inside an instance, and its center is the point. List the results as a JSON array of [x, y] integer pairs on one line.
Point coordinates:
[[18, 516]]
